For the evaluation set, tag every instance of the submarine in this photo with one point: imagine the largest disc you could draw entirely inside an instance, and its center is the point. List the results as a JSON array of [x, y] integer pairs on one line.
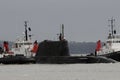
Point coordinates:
[[57, 52]]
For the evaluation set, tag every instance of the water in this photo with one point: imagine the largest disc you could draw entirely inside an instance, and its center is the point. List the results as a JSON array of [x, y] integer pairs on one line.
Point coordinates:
[[60, 72]]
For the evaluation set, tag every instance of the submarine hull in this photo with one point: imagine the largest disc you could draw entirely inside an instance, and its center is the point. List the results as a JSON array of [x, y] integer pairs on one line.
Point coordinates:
[[73, 59], [57, 52]]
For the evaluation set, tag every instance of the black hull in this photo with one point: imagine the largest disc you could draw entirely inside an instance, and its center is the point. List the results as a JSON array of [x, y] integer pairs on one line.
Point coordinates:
[[16, 60], [113, 55], [73, 60], [57, 52], [55, 60]]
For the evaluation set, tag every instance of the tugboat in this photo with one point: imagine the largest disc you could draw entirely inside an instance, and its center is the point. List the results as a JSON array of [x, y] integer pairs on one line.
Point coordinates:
[[22, 51], [111, 48]]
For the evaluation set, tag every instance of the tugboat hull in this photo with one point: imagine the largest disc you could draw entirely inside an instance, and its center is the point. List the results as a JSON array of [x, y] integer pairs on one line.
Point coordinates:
[[16, 60], [113, 55]]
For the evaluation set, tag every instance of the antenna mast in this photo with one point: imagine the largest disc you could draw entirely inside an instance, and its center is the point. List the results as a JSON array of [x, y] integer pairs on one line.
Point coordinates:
[[63, 31], [26, 34], [61, 36], [112, 26]]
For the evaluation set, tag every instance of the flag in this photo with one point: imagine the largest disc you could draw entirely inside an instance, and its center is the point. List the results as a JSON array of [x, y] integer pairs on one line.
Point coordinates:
[[29, 29]]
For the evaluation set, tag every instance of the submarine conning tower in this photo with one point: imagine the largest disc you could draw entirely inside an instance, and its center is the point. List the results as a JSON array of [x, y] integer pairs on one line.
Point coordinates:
[[48, 51], [53, 48]]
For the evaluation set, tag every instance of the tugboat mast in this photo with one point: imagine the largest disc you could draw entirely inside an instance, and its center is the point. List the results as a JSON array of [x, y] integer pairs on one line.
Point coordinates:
[[63, 31], [26, 34], [112, 26]]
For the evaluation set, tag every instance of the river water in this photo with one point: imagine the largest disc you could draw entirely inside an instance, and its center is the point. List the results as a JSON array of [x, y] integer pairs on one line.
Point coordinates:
[[109, 71]]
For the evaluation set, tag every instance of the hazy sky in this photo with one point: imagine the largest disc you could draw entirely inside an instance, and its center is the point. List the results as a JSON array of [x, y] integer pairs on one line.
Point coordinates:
[[84, 20]]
